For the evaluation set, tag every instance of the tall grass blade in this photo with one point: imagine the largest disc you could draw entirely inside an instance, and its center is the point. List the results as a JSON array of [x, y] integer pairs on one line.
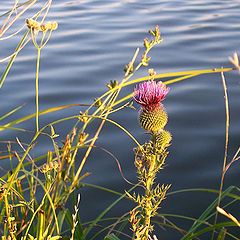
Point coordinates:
[[40, 113], [105, 211], [222, 234], [218, 226], [12, 59], [112, 236], [11, 112], [205, 215], [41, 224], [61, 216]]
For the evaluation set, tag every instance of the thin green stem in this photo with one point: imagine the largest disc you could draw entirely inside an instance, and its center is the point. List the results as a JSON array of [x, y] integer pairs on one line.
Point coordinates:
[[119, 126], [7, 210], [33, 36], [43, 36], [49, 35], [37, 73], [4, 75], [10, 156], [226, 148], [15, 18]]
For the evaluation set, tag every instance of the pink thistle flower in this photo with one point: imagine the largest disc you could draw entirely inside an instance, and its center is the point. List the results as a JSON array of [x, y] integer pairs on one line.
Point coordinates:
[[150, 94]]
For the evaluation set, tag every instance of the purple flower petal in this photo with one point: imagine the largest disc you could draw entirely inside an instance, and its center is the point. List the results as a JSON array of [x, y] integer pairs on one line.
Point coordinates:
[[149, 94]]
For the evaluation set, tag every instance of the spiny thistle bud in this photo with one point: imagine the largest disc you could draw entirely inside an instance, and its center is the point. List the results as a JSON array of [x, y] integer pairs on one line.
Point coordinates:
[[153, 120], [162, 139], [152, 115]]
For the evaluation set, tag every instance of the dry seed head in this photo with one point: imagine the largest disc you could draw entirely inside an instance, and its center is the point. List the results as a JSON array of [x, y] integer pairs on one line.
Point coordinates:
[[48, 25], [45, 168], [54, 26], [43, 27], [32, 23]]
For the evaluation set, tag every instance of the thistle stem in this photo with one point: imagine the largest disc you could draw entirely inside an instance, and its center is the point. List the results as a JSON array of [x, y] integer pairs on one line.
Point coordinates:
[[148, 193]]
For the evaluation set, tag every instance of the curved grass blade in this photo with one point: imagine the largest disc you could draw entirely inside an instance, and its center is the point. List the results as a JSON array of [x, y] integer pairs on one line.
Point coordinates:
[[11, 112], [49, 198], [101, 188], [12, 128], [41, 113], [105, 211], [112, 236], [178, 74], [185, 75], [205, 214], [20, 5], [110, 226], [12, 59], [216, 226], [235, 196]]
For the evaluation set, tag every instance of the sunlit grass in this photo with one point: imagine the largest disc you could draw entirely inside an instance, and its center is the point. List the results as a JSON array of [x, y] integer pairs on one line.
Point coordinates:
[[33, 194]]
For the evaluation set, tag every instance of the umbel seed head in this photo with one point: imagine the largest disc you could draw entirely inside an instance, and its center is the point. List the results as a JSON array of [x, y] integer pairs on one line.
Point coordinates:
[[153, 120]]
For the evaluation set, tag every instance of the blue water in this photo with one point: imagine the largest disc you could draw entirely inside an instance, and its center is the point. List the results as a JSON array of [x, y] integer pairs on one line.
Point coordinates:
[[93, 42]]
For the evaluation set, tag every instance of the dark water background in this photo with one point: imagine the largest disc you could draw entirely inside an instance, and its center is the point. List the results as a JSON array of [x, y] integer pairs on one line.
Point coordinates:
[[93, 42]]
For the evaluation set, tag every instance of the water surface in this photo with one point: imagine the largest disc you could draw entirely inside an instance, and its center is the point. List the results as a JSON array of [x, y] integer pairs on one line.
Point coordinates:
[[93, 42]]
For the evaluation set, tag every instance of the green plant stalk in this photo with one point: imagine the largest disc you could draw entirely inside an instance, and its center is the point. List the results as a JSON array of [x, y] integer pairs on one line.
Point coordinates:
[[13, 58], [226, 147], [21, 44], [72, 163], [13, 177], [105, 211], [8, 216], [11, 112], [39, 47], [207, 214], [148, 193], [49, 35], [10, 156], [30, 183], [46, 195], [110, 94], [111, 101], [20, 5], [7, 126], [16, 171], [15, 18], [40, 224], [9, 15], [37, 74], [185, 75]]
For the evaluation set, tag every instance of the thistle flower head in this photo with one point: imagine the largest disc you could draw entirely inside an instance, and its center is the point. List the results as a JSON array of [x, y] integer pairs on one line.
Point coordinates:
[[150, 94]]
